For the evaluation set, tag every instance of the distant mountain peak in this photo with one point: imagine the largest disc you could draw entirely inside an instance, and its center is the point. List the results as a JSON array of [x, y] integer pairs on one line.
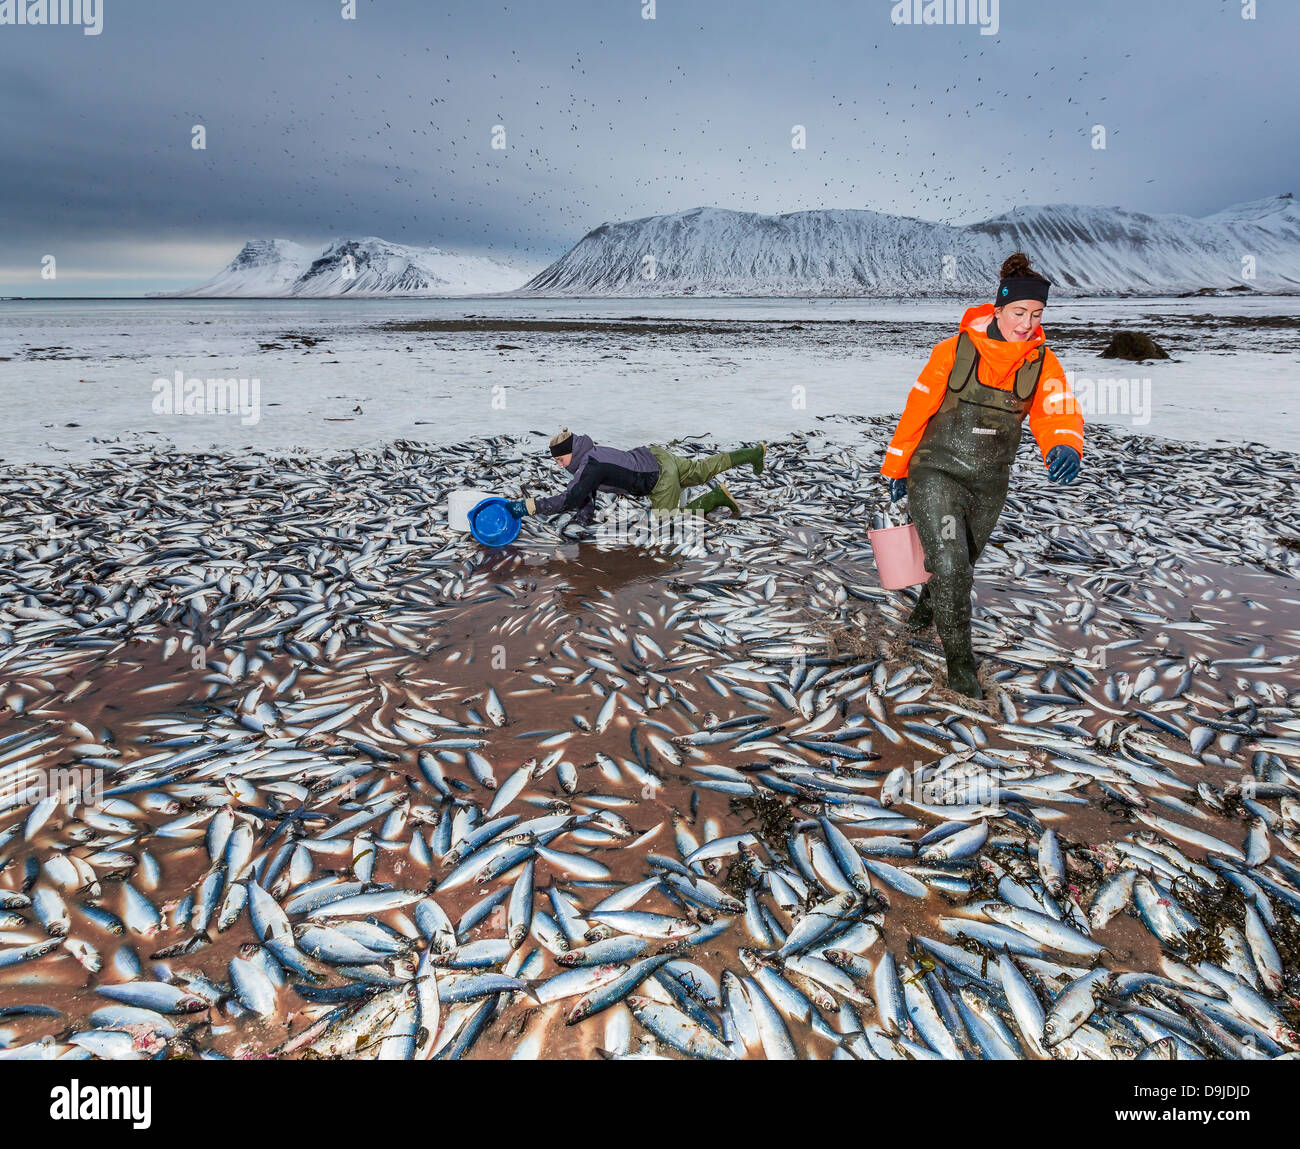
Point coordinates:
[[1283, 204], [364, 266], [258, 251]]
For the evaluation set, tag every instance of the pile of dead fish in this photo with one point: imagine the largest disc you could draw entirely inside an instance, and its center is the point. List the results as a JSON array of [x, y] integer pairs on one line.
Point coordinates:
[[674, 819]]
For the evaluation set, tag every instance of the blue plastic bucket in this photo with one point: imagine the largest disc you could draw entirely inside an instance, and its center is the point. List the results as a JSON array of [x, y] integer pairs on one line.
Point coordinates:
[[492, 524]]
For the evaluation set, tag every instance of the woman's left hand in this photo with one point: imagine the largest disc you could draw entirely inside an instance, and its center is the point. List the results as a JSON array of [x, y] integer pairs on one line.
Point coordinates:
[[1063, 464]]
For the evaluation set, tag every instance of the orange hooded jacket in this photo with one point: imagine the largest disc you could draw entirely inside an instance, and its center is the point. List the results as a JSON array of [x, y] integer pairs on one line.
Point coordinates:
[[1054, 417]]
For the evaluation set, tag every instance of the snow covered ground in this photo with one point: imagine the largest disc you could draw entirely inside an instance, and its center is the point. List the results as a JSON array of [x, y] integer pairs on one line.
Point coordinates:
[[76, 377]]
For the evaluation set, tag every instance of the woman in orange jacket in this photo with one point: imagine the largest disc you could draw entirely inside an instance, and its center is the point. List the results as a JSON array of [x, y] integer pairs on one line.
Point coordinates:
[[957, 438]]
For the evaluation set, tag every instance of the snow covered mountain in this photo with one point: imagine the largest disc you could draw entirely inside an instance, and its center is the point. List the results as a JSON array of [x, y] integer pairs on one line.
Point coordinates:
[[356, 267], [1084, 250], [263, 267]]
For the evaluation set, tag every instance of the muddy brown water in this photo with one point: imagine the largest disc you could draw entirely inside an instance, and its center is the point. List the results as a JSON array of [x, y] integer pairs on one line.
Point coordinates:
[[556, 598]]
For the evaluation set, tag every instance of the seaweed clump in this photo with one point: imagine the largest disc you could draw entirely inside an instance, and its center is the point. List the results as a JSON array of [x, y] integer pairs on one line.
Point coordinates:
[[741, 875], [775, 819], [1215, 908]]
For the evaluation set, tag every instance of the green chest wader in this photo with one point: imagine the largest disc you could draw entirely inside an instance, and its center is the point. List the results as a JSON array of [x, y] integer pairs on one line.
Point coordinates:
[[957, 483], [976, 430]]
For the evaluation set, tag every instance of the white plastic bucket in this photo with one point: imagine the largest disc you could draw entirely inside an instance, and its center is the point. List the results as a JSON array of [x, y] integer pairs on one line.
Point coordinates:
[[899, 557], [459, 504]]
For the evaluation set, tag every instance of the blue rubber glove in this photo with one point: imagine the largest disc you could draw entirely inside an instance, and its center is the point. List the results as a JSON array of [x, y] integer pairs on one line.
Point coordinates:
[[1063, 464], [517, 507], [897, 489]]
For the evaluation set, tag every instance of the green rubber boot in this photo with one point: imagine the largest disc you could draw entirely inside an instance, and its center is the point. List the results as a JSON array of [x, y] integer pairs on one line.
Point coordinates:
[[712, 499], [952, 608], [923, 612], [961, 671], [751, 455]]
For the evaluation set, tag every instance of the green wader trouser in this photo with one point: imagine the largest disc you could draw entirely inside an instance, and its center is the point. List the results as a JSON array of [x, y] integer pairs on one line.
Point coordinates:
[[956, 486], [677, 473]]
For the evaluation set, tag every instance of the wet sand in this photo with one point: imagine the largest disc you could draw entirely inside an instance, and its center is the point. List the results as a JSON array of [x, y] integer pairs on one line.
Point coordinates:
[[594, 589]]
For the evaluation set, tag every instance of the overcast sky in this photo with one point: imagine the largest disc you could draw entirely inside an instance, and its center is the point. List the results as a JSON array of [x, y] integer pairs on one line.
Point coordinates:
[[320, 127]]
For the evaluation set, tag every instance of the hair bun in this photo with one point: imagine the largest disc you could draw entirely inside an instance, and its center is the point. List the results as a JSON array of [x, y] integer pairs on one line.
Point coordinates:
[[1017, 266]]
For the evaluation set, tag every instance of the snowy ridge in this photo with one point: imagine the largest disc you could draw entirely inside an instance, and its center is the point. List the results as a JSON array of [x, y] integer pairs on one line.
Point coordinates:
[[1084, 250], [263, 267], [355, 267]]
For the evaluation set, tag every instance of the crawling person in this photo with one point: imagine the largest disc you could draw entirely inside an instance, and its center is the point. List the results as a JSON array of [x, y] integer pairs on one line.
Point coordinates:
[[645, 472]]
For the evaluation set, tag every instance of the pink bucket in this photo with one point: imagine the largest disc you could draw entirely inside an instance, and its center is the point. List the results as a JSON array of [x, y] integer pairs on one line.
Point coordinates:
[[899, 557]]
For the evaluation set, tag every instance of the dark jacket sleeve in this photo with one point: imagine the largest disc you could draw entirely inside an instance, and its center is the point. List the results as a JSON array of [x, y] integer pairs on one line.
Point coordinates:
[[578, 496]]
